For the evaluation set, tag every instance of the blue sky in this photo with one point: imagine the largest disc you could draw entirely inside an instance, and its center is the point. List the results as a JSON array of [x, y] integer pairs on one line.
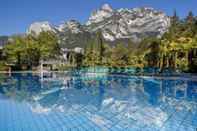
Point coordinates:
[[17, 15]]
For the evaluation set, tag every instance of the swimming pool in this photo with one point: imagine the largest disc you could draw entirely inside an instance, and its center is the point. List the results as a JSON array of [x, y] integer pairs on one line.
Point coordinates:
[[96, 102]]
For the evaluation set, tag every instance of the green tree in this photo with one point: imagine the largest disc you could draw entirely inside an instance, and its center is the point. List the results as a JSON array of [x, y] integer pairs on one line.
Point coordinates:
[[47, 43], [119, 56], [28, 50], [15, 51], [174, 19], [94, 51], [89, 54]]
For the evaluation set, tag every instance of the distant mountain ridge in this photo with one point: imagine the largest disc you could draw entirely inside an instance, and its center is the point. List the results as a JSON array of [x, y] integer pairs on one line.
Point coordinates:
[[118, 24]]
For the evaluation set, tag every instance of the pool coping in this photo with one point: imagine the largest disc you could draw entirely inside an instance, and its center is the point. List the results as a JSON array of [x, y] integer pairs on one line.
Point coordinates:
[[127, 74], [182, 76]]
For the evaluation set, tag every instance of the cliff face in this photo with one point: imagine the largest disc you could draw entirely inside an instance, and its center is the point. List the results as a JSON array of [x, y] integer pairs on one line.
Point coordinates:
[[128, 23]]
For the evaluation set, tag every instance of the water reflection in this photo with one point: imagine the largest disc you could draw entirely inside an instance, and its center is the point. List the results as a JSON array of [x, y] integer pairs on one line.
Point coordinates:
[[104, 98]]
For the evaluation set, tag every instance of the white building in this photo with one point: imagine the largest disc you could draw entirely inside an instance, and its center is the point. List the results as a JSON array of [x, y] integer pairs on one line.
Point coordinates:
[[66, 52]]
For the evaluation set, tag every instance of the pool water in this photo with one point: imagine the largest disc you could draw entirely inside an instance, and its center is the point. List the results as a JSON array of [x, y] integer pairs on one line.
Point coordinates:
[[97, 102]]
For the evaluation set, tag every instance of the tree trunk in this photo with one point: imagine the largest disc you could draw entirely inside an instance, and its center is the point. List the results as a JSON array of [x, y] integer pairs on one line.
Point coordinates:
[[175, 58], [167, 61], [161, 62], [190, 56], [187, 57]]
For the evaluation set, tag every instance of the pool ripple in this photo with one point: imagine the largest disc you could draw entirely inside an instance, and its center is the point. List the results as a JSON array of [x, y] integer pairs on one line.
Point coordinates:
[[61, 102]]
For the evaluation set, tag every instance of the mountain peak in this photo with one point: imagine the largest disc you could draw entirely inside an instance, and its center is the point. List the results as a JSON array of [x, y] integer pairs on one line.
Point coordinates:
[[72, 25], [38, 27], [104, 12], [107, 7]]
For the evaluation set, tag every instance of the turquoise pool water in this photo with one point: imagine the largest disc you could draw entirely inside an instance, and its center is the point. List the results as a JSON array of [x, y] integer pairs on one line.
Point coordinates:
[[97, 102]]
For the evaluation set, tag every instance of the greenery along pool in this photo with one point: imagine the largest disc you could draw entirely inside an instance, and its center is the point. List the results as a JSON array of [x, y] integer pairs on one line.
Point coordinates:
[[96, 101]]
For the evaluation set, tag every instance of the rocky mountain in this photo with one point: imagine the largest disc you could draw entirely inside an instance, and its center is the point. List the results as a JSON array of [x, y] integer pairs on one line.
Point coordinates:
[[115, 25], [39, 27], [72, 26], [72, 34], [128, 23]]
